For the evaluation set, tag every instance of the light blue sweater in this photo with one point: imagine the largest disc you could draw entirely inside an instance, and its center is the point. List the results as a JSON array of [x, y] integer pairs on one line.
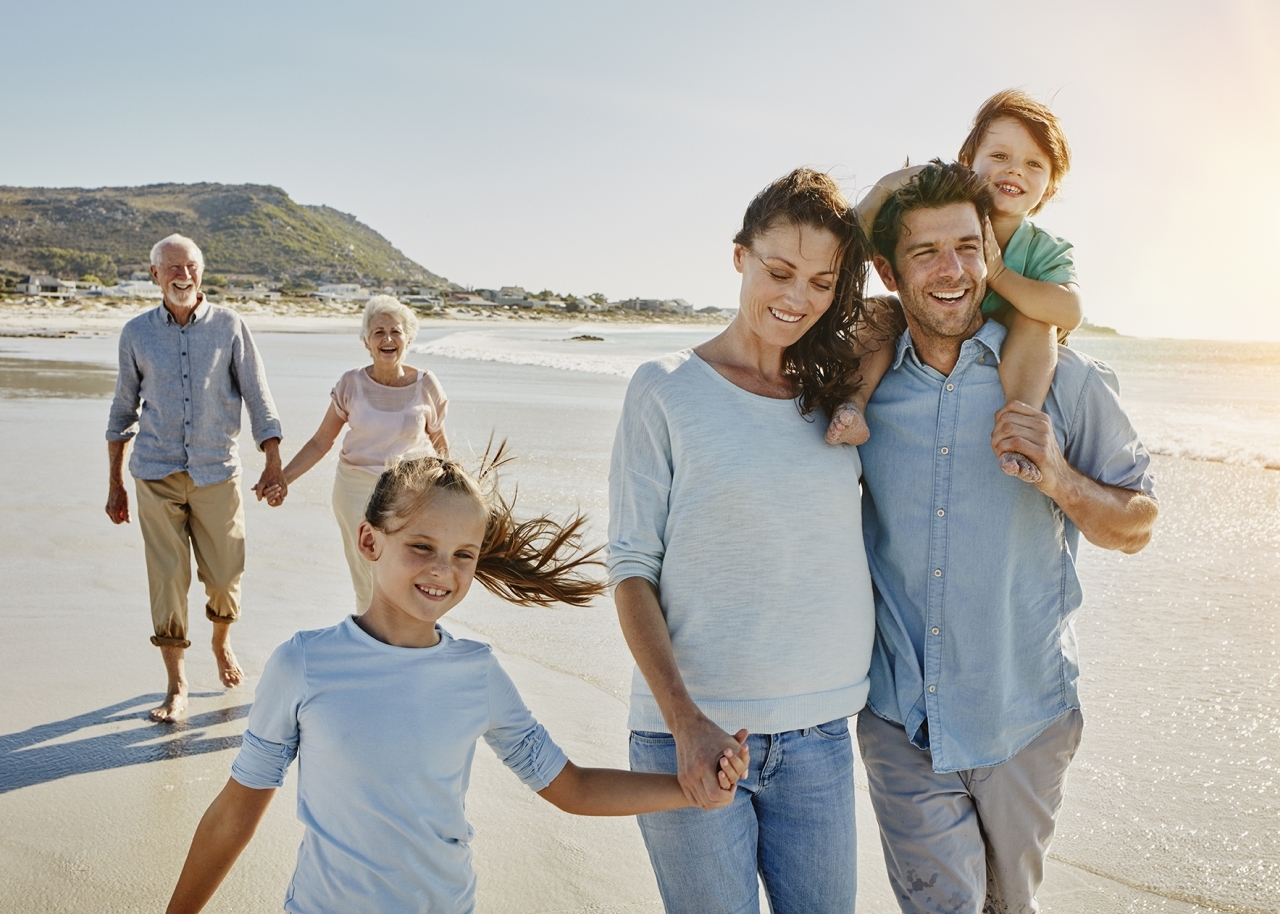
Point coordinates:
[[385, 738], [750, 526]]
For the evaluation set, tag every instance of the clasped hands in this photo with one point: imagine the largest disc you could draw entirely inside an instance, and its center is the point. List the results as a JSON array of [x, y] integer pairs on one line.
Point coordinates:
[[710, 763]]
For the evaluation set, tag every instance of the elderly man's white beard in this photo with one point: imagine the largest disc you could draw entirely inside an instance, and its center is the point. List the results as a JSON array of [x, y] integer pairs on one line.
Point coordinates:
[[182, 298]]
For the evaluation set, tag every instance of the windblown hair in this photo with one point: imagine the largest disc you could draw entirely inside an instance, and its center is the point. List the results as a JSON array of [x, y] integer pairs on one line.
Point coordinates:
[[936, 185], [1041, 123], [532, 563], [389, 304], [823, 361]]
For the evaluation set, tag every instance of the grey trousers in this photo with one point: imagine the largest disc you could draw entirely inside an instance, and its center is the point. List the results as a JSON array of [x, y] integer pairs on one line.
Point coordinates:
[[966, 842]]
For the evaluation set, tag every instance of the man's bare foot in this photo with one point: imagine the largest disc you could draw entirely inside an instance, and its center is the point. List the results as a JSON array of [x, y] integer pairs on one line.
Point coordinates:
[[848, 426], [228, 668], [173, 709], [1016, 464]]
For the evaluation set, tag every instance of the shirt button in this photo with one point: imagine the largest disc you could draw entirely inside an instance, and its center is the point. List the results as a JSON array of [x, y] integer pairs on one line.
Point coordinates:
[[937, 572], [983, 359], [945, 451], [941, 513], [933, 688], [935, 630], [951, 387]]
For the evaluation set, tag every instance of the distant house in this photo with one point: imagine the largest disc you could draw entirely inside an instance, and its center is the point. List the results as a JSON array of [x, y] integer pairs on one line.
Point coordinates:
[[342, 291], [468, 298], [676, 306], [257, 290], [39, 284], [511, 295], [641, 304], [139, 276], [487, 294], [132, 288]]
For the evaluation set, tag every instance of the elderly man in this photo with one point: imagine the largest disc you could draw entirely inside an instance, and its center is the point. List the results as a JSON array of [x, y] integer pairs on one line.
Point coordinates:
[[189, 364], [973, 715]]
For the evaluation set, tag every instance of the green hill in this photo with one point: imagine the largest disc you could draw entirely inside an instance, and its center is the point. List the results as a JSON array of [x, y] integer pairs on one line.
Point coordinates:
[[249, 231]]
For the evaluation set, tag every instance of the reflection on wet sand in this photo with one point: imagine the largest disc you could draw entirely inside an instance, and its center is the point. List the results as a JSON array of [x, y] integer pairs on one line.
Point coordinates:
[[33, 757], [38, 378]]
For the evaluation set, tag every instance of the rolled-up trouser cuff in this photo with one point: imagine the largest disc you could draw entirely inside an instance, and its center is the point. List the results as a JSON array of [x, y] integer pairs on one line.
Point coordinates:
[[158, 641], [212, 616]]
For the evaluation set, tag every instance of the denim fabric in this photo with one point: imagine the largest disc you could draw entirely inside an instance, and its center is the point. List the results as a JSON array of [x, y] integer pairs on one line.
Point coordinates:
[[975, 571], [179, 391], [791, 826]]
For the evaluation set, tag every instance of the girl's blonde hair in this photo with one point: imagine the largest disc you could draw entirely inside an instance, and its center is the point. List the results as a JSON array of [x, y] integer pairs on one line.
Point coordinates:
[[532, 563]]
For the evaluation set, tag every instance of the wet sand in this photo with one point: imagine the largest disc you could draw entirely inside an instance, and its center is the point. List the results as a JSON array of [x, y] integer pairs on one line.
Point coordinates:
[[98, 804]]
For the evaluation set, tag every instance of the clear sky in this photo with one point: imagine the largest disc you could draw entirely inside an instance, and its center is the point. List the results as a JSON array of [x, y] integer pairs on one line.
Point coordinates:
[[596, 146]]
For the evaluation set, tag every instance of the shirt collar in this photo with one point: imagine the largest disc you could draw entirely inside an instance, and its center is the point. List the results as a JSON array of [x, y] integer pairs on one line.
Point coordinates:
[[990, 336], [202, 309]]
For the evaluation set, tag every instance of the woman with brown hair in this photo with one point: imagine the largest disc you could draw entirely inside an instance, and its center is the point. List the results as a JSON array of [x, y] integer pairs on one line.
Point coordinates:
[[741, 580]]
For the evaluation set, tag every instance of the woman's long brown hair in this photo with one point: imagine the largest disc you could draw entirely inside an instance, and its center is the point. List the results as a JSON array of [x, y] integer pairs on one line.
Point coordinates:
[[823, 362]]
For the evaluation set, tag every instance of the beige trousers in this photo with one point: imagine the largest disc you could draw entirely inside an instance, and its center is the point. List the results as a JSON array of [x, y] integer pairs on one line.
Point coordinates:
[[351, 491], [177, 517]]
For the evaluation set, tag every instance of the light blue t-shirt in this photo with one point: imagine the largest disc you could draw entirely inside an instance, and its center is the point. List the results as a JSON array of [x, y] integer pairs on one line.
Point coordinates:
[[975, 571], [385, 737], [1037, 255]]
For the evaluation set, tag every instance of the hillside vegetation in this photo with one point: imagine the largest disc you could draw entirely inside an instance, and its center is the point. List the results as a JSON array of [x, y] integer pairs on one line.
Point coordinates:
[[249, 231]]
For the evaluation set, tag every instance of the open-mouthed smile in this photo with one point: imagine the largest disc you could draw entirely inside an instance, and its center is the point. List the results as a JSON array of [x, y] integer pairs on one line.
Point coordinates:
[[787, 317]]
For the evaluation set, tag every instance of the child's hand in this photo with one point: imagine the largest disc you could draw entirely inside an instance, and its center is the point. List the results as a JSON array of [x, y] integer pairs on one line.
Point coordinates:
[[733, 765], [896, 180], [991, 251]]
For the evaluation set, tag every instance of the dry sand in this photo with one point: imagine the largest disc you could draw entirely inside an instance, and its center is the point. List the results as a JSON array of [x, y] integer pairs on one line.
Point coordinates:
[[98, 804]]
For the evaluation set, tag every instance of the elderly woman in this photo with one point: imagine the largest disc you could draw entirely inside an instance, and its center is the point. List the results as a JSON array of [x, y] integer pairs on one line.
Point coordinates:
[[393, 409], [741, 581]]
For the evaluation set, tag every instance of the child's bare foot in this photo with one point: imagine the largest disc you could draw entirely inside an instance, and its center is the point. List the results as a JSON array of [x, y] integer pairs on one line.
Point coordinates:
[[174, 707], [1016, 464], [228, 668], [848, 426]]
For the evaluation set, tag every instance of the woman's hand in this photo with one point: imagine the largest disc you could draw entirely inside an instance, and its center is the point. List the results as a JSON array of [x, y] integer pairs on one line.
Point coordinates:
[[700, 747]]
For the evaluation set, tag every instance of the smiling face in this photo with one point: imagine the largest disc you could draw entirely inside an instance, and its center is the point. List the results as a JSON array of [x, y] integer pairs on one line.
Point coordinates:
[[387, 341], [178, 274], [1016, 167], [423, 569], [788, 281], [939, 273]]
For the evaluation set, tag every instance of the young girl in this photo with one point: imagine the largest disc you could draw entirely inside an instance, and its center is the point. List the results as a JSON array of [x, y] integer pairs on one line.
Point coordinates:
[[384, 710], [1019, 147]]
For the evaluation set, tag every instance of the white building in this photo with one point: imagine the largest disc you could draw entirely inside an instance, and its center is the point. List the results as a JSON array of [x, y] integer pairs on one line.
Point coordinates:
[[133, 288], [342, 291]]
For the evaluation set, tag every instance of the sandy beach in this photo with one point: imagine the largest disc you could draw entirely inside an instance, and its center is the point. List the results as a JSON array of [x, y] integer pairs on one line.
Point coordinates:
[[98, 804]]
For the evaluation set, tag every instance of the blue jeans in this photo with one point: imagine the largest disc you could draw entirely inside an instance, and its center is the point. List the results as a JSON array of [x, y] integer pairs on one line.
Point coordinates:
[[791, 823]]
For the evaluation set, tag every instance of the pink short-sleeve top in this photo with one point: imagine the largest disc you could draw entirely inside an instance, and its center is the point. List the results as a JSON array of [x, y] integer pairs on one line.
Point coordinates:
[[386, 423]]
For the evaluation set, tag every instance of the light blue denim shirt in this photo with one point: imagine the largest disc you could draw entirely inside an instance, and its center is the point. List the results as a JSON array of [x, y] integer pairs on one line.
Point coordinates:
[[179, 391], [975, 571]]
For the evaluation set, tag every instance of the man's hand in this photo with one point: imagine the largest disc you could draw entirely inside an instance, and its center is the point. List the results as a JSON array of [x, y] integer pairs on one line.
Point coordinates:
[[1029, 432], [991, 252], [118, 503], [699, 748], [271, 485]]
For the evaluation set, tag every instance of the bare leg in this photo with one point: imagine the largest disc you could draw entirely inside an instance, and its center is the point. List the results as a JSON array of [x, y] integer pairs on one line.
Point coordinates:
[[1028, 360], [175, 702], [848, 421], [228, 669]]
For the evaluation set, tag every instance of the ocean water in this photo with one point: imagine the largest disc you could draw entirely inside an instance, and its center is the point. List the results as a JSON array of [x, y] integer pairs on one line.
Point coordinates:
[[1176, 788]]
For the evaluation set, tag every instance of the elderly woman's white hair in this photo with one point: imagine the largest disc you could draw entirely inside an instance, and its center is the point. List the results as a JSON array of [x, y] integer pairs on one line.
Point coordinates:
[[388, 304], [175, 238]]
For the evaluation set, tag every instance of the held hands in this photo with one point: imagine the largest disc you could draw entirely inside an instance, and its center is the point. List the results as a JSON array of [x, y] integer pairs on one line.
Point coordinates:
[[710, 762], [1029, 431], [272, 484]]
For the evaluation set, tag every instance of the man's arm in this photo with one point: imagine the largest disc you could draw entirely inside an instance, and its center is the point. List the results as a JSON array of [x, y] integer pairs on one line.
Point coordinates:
[[1108, 516], [700, 744], [117, 494]]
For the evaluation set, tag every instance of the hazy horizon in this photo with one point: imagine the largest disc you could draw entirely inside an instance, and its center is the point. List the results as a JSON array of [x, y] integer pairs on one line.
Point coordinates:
[[586, 148]]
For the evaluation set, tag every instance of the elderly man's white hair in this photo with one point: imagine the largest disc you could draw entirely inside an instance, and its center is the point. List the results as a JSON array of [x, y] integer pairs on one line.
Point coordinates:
[[387, 304], [175, 238]]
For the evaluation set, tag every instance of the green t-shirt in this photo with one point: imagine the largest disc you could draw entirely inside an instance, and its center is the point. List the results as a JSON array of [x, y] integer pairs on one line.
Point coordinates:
[[1037, 255]]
